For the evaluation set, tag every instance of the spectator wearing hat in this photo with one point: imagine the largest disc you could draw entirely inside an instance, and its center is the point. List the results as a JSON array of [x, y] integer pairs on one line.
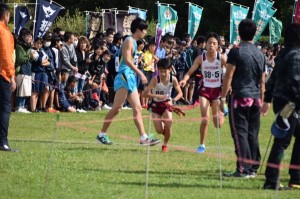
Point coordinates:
[[283, 87], [24, 57]]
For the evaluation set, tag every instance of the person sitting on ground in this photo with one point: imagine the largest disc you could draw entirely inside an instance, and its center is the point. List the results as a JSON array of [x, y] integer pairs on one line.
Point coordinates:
[[63, 101], [74, 98]]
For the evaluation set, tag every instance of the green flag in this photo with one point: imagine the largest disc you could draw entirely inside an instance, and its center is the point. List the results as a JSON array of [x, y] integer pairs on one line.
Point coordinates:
[[275, 28], [262, 17], [238, 13], [266, 3], [167, 19], [195, 14]]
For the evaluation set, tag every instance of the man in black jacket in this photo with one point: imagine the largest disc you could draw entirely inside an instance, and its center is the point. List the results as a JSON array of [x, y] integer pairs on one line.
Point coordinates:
[[284, 88]]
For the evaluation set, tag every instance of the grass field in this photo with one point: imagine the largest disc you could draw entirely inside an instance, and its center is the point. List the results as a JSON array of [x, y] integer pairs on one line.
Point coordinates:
[[60, 158]]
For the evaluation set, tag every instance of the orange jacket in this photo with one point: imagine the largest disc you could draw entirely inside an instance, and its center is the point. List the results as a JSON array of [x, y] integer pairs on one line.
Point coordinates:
[[7, 65]]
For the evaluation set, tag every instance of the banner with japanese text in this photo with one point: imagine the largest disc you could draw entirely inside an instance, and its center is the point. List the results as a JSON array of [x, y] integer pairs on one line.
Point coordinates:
[[275, 28], [195, 14], [46, 13], [124, 22], [261, 18], [238, 13], [266, 3], [94, 24], [167, 19], [142, 14], [22, 16], [296, 17]]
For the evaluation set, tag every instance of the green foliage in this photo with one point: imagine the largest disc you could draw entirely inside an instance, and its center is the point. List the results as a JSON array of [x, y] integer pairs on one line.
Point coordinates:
[[62, 160], [152, 27], [74, 23], [264, 39]]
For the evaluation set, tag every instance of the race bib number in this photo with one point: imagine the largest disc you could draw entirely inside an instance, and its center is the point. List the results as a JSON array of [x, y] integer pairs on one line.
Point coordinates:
[[136, 60], [117, 63]]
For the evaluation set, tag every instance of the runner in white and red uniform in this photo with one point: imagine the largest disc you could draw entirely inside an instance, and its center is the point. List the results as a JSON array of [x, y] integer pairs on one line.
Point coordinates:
[[212, 66], [159, 90]]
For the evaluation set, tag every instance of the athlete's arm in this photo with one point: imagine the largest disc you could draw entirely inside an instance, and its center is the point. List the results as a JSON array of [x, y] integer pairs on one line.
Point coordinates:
[[223, 61], [147, 91], [195, 66], [177, 88], [227, 79]]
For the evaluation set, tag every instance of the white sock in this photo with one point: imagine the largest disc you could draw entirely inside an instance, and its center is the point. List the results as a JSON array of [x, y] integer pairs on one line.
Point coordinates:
[[144, 137], [203, 145], [101, 134]]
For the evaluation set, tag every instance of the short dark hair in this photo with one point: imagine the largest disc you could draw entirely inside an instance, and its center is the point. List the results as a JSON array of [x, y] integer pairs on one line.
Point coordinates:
[[151, 41], [164, 63], [54, 40], [140, 41], [67, 36], [138, 23], [3, 8], [109, 31], [292, 36], [117, 37], [213, 35], [24, 32], [71, 79], [107, 52], [247, 29], [57, 30], [64, 71], [201, 40], [165, 38]]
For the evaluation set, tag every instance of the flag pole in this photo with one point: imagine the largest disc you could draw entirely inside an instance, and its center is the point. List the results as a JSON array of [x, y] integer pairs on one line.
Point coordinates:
[[293, 16], [166, 4], [86, 24], [116, 24], [194, 4], [254, 9], [137, 8], [158, 19], [15, 5], [34, 21], [189, 18], [62, 7], [237, 4], [103, 12], [230, 21]]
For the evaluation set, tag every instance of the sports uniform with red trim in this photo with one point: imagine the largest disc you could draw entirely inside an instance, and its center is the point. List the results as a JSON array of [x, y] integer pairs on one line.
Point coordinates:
[[211, 78], [159, 106]]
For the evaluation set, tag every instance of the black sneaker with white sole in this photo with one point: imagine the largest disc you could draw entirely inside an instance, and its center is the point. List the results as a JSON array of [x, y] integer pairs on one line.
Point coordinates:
[[236, 174], [149, 141], [104, 140]]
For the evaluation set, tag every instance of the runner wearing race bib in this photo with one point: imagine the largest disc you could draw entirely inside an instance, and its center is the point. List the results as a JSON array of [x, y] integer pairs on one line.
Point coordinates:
[[212, 66], [126, 87], [159, 89], [211, 73]]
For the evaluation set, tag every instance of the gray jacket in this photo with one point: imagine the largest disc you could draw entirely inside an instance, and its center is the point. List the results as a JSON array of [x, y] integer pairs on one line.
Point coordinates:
[[69, 57]]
